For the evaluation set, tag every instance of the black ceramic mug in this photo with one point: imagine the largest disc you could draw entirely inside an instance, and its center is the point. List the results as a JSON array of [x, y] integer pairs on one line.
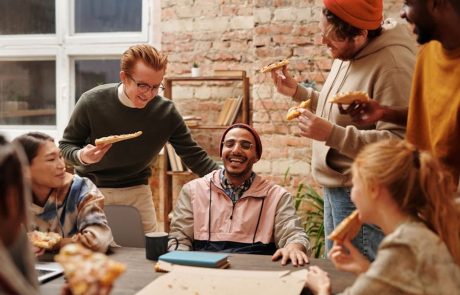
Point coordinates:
[[156, 244]]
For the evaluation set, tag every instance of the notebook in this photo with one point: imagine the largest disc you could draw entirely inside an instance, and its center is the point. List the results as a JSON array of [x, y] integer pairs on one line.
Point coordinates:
[[47, 271], [196, 258]]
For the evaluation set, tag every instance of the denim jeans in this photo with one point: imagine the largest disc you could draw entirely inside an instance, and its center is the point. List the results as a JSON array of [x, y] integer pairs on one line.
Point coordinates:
[[337, 206]]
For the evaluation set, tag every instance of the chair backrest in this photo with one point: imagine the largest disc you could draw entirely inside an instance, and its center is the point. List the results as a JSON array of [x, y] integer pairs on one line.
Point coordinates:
[[126, 224]]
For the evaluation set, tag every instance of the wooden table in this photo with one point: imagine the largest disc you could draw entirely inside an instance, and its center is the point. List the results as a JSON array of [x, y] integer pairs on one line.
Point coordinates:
[[140, 271]]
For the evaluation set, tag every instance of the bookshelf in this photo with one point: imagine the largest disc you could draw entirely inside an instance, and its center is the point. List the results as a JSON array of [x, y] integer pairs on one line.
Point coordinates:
[[166, 179]]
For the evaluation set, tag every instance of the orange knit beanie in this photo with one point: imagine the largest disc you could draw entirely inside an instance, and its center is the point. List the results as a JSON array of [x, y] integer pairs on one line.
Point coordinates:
[[362, 14]]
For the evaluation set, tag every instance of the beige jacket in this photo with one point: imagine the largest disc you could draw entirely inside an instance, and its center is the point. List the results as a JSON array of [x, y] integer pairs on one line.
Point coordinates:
[[411, 260], [384, 70]]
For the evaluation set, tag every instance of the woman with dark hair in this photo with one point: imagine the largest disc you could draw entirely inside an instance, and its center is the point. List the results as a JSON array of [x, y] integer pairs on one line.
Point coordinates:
[[408, 194], [17, 275], [63, 203]]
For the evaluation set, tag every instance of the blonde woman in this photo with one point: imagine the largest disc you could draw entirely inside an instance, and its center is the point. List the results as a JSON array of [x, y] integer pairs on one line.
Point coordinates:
[[409, 196]]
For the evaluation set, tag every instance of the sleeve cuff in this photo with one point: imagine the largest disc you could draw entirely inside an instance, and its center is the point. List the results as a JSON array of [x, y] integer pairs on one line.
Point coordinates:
[[79, 158], [334, 139]]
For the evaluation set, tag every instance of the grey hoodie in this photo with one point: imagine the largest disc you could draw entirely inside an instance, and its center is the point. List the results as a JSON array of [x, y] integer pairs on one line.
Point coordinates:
[[383, 69]]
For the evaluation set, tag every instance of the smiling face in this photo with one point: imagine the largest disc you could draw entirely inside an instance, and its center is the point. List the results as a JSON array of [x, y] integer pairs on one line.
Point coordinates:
[[341, 49], [417, 14], [141, 78], [239, 154], [47, 168]]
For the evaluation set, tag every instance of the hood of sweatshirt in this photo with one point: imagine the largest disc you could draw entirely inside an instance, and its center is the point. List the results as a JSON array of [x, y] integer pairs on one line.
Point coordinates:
[[393, 34]]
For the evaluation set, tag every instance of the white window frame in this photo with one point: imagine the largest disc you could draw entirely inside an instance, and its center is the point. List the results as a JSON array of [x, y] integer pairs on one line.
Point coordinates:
[[65, 47]]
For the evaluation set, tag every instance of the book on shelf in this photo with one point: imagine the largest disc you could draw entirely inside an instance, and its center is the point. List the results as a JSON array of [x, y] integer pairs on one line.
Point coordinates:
[[174, 160], [195, 258], [229, 111], [233, 113]]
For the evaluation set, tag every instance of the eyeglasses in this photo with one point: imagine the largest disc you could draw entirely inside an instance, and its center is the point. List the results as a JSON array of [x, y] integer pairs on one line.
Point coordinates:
[[244, 144], [143, 87]]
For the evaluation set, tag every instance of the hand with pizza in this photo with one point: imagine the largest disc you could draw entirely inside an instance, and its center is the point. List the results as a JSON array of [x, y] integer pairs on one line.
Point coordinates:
[[347, 257], [87, 272], [295, 112], [44, 240], [283, 81], [343, 254], [91, 154]]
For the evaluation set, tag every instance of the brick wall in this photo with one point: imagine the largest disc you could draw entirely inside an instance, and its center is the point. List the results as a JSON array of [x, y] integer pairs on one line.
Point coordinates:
[[245, 35]]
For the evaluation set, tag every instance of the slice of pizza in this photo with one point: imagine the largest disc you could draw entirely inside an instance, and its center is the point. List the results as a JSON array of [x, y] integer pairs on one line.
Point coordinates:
[[44, 240], [87, 271], [349, 97], [294, 112], [117, 138], [274, 66], [348, 228]]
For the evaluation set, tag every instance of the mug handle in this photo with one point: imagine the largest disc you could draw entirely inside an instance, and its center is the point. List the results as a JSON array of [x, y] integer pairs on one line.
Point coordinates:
[[177, 242]]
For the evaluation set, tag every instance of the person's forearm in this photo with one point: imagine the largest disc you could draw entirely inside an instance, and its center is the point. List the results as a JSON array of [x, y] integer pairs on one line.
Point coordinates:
[[396, 115]]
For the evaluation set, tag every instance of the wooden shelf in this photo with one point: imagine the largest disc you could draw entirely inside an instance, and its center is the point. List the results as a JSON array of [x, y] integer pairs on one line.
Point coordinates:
[[27, 113], [166, 176], [208, 127], [179, 173]]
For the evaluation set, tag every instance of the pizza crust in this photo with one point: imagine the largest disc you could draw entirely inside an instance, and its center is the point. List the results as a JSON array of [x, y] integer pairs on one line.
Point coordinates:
[[117, 138], [87, 271], [294, 112], [348, 228], [274, 66], [44, 240], [350, 97]]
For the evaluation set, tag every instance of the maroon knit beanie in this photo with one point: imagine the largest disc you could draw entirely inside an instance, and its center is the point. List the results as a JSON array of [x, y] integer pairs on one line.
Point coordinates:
[[248, 128]]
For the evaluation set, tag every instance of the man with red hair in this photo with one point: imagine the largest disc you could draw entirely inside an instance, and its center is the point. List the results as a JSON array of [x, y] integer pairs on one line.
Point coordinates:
[[370, 55]]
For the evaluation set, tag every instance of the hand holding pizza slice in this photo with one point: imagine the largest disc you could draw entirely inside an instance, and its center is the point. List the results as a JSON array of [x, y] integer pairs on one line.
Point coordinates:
[[294, 112], [274, 66], [116, 138], [44, 240], [347, 229], [350, 97]]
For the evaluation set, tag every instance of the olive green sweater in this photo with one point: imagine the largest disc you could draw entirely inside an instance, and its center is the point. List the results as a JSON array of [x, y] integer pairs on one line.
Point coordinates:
[[99, 113]]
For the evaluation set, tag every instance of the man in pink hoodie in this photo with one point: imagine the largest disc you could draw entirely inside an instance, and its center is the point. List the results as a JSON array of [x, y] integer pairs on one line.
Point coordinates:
[[235, 210]]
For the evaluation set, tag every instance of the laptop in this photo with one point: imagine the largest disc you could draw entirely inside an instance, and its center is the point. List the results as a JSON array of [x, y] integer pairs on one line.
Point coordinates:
[[47, 271]]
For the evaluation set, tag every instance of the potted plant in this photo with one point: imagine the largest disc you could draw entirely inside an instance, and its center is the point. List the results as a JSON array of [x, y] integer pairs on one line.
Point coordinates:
[[195, 70]]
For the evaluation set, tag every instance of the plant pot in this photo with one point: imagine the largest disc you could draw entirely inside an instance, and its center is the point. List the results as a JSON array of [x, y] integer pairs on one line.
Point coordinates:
[[195, 72]]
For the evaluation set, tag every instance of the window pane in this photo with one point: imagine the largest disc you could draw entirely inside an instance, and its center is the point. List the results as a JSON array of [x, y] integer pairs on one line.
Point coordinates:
[[90, 73], [108, 16], [27, 92], [27, 17]]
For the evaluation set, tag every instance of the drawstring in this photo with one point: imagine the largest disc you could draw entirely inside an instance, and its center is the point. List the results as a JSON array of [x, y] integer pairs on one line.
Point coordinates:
[[209, 215], [258, 220]]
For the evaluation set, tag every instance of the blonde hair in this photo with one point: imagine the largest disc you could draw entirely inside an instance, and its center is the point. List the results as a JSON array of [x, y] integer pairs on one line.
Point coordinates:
[[417, 182], [147, 54]]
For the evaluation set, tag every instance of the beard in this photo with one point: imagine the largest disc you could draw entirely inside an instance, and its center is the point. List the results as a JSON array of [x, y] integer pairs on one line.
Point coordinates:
[[423, 35]]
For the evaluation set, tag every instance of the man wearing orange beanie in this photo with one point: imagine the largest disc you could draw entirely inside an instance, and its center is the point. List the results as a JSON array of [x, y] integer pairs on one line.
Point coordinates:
[[432, 119], [370, 55]]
